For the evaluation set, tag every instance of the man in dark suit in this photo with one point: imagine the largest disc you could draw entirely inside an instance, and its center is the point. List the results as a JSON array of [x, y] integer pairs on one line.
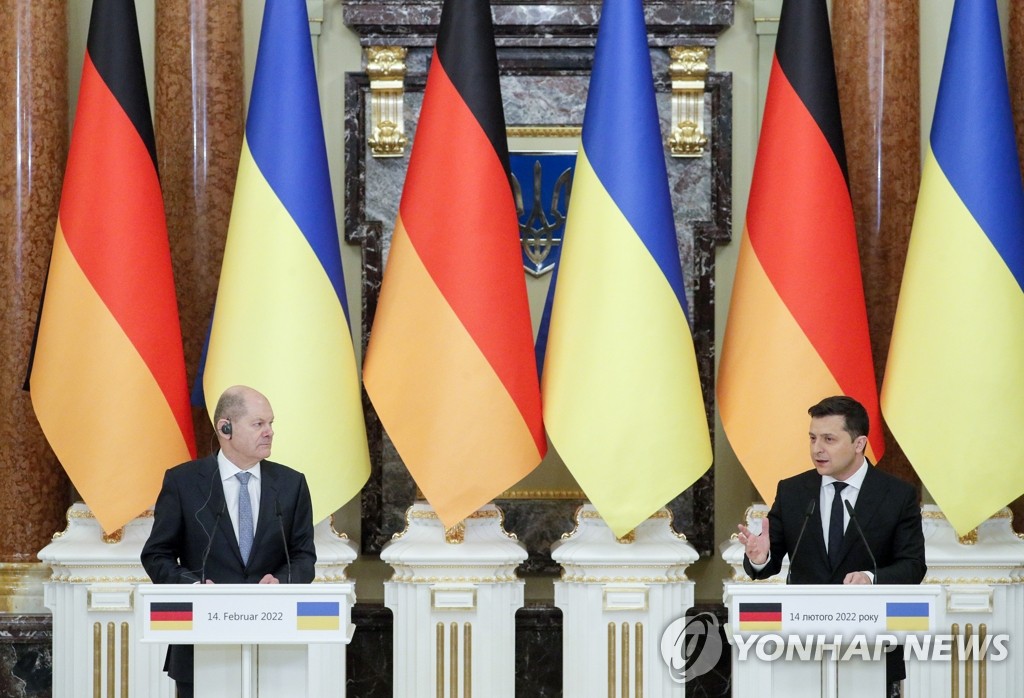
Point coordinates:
[[228, 518], [832, 551]]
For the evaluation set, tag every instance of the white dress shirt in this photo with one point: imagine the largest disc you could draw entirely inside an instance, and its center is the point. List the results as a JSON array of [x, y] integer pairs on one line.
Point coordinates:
[[232, 485], [849, 494]]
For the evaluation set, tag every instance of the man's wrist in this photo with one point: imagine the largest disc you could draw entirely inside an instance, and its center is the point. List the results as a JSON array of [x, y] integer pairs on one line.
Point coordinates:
[[758, 566]]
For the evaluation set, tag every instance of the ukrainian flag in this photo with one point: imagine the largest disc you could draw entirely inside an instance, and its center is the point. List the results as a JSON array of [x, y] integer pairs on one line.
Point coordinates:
[[622, 397], [317, 615], [280, 323], [906, 616], [955, 372]]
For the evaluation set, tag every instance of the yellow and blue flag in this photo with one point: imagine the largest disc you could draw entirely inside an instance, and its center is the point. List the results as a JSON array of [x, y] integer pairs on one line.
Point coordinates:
[[281, 322], [317, 615], [955, 371], [622, 396], [908, 616]]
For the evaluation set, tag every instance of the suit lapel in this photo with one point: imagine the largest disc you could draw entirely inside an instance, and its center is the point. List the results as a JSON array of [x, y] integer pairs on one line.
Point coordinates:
[[815, 536], [209, 483], [267, 522]]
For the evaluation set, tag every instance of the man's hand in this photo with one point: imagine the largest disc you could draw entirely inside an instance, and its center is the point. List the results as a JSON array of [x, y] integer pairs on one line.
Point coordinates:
[[755, 546], [269, 579], [857, 578]]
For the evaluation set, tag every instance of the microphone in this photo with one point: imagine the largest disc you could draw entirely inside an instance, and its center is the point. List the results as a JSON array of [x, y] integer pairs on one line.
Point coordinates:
[[209, 544], [864, 539], [284, 540], [796, 548]]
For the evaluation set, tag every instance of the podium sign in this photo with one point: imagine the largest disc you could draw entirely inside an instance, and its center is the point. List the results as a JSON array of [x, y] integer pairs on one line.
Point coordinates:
[[254, 640], [830, 610], [803, 640], [227, 614]]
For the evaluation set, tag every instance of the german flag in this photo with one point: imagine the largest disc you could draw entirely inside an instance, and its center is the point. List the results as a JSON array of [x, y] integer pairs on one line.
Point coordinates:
[[760, 616], [170, 615], [797, 330], [109, 354], [450, 365]]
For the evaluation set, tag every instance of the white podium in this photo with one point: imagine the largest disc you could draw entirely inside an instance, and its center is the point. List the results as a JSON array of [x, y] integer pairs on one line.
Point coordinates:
[[822, 640], [253, 641]]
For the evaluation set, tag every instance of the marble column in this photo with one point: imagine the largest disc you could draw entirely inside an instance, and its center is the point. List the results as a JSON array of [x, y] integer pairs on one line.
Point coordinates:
[[1015, 70], [877, 67], [34, 490], [199, 127]]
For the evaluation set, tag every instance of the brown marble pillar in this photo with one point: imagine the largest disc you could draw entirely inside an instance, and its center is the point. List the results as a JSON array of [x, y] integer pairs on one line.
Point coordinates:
[[34, 492], [199, 126], [877, 67], [1015, 70]]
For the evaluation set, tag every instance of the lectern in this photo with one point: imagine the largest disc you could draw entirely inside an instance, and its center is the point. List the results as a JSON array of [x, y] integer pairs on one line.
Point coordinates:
[[821, 640], [254, 640]]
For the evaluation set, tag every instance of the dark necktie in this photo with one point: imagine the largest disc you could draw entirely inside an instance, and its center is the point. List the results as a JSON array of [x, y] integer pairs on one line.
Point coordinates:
[[245, 532], [835, 525]]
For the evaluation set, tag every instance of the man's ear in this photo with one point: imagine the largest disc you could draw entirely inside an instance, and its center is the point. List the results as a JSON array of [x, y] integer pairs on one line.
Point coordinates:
[[860, 444]]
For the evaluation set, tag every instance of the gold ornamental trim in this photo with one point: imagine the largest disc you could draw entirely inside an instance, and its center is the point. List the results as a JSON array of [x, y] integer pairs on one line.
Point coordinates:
[[456, 535], [467, 660], [969, 538], [125, 649], [542, 494], [330, 578], [439, 659], [688, 69], [969, 580], [1003, 513], [489, 514], [599, 579], [629, 537], [75, 579], [453, 659], [416, 579], [565, 131], [453, 535], [115, 537], [752, 513], [73, 513], [340, 535], [638, 661], [385, 66]]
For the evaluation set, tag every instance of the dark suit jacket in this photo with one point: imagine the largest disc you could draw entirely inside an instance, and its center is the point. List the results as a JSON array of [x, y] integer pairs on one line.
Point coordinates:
[[887, 510], [190, 514]]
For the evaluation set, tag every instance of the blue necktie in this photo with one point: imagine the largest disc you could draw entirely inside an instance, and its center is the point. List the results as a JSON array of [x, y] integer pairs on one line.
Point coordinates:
[[245, 533], [835, 525]]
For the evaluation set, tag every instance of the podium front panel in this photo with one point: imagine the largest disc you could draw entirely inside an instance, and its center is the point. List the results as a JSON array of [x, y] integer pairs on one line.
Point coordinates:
[[846, 611], [225, 614]]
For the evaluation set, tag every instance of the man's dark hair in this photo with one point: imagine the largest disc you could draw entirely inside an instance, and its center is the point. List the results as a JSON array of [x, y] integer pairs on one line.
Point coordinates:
[[230, 406], [853, 413]]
